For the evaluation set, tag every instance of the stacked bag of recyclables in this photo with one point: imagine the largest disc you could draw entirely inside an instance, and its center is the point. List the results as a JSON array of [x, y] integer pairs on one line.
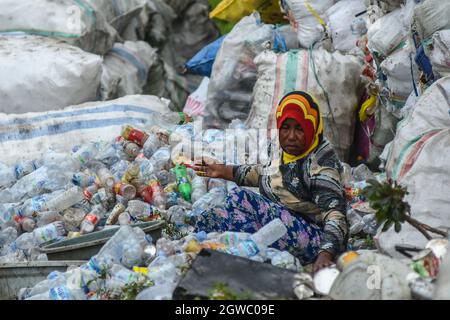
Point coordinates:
[[415, 156], [45, 74], [234, 72], [100, 29]]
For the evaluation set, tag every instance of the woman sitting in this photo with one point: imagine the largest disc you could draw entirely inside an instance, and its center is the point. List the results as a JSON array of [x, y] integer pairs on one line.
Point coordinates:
[[305, 192]]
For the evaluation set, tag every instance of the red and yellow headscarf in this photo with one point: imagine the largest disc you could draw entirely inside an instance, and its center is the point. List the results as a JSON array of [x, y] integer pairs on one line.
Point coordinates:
[[304, 109]]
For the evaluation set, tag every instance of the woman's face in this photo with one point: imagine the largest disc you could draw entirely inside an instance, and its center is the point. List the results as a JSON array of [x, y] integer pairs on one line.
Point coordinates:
[[292, 137]]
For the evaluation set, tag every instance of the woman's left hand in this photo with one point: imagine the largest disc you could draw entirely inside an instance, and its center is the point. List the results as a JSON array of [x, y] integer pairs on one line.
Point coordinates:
[[324, 259]]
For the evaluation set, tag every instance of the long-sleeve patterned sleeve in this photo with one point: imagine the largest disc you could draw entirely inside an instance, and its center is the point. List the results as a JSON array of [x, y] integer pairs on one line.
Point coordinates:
[[328, 195], [246, 175]]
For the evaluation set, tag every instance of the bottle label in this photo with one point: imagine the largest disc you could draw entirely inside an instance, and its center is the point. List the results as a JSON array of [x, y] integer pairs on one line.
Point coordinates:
[[47, 233], [38, 203], [248, 248], [136, 136], [60, 293], [92, 218]]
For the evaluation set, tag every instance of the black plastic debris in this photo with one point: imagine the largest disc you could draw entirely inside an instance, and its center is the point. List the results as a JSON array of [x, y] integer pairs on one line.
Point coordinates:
[[244, 277]]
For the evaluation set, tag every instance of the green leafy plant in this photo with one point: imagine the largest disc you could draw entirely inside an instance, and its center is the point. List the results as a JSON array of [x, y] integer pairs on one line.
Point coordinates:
[[387, 199], [131, 290], [368, 242], [172, 231], [221, 291]]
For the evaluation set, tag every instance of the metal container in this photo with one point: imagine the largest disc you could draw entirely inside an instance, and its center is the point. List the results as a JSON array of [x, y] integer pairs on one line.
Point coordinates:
[[15, 276], [86, 246]]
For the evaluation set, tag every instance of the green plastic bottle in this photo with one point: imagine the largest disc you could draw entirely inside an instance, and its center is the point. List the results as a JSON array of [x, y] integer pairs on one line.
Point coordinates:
[[184, 185]]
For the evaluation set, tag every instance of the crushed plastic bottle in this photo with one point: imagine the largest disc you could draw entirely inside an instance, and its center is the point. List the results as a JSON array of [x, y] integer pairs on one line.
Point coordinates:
[[141, 210], [92, 219], [260, 240], [47, 217], [7, 236], [65, 200], [158, 197], [199, 188], [152, 144], [25, 168], [49, 232]]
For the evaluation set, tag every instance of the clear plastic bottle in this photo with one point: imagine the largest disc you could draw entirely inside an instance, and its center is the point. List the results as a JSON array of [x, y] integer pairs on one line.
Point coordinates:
[[171, 119], [106, 178], [132, 254], [152, 144], [86, 154], [7, 236], [64, 293], [231, 239], [41, 181], [125, 218], [49, 232], [92, 219], [146, 169], [122, 276], [216, 183], [65, 200], [54, 279], [159, 199], [25, 241], [115, 213], [163, 291], [131, 149], [26, 224], [25, 168], [260, 240], [269, 234], [37, 204], [90, 191], [132, 173], [161, 158], [165, 247], [141, 210], [199, 188], [119, 169], [165, 177], [125, 190], [113, 249], [47, 217], [214, 198], [177, 215], [84, 179], [110, 153]]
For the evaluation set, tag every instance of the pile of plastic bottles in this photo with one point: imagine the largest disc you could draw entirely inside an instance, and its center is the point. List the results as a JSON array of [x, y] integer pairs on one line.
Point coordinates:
[[130, 266], [99, 185], [361, 218]]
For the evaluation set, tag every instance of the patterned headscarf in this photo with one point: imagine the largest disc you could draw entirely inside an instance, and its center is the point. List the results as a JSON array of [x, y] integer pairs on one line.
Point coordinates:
[[304, 109]]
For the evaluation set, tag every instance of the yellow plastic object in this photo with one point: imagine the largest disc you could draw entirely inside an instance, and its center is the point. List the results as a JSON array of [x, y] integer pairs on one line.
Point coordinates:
[[140, 270], [193, 246], [346, 258], [234, 10], [367, 108]]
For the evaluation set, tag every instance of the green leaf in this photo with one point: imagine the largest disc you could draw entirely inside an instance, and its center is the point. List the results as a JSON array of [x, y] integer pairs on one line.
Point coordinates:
[[398, 227], [387, 225]]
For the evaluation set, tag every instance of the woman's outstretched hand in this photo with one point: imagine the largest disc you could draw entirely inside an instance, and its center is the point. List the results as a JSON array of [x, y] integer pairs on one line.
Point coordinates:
[[209, 168], [324, 259]]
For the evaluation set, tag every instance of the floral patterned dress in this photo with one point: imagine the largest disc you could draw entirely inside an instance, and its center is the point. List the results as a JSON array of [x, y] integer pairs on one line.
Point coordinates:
[[306, 195]]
